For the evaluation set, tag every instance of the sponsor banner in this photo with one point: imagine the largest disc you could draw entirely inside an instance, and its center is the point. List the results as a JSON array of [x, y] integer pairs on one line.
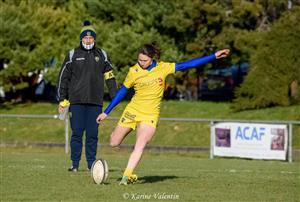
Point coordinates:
[[250, 140]]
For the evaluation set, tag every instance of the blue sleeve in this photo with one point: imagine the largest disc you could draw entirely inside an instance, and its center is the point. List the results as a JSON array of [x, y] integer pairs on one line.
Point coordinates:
[[117, 99], [196, 62]]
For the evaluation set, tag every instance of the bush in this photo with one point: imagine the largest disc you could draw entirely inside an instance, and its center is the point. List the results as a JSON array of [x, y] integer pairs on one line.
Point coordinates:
[[274, 67]]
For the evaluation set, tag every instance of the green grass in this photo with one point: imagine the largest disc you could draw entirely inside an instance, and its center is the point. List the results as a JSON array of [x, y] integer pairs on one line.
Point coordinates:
[[39, 174], [175, 109], [168, 132], [34, 174]]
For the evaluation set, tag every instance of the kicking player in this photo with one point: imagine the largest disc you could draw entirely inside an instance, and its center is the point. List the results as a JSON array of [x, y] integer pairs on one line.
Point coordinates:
[[147, 77]]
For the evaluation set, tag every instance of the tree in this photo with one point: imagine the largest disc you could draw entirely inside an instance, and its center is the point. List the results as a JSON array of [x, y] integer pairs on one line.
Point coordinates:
[[122, 34], [31, 36], [274, 66], [34, 36]]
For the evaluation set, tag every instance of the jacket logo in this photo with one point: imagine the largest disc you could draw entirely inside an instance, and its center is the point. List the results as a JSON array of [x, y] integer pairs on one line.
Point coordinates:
[[97, 58], [80, 58]]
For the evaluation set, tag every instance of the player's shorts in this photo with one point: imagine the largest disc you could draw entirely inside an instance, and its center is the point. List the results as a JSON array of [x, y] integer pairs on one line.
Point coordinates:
[[131, 118]]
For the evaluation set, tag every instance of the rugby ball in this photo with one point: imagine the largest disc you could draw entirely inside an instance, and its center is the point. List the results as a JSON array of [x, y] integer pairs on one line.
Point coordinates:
[[99, 171]]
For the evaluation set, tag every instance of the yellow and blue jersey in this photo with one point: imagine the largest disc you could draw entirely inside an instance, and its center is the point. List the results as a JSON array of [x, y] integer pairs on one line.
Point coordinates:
[[149, 86]]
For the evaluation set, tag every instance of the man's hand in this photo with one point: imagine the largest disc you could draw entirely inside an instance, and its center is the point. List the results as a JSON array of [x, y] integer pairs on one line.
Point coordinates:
[[61, 109], [101, 117], [222, 53], [62, 105]]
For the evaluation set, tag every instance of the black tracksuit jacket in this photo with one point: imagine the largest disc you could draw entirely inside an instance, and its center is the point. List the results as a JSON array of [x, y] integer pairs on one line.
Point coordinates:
[[81, 78]]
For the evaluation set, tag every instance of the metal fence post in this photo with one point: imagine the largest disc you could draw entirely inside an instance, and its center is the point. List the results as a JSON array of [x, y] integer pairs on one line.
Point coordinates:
[[67, 134], [211, 140], [290, 143]]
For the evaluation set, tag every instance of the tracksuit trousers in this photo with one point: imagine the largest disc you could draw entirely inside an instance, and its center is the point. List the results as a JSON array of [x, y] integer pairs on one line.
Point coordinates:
[[83, 119]]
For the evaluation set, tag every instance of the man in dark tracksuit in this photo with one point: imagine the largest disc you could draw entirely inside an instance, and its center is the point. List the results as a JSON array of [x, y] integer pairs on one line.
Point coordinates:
[[81, 83]]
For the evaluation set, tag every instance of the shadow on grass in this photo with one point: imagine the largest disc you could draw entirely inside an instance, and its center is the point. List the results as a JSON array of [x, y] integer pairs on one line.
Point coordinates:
[[155, 178]]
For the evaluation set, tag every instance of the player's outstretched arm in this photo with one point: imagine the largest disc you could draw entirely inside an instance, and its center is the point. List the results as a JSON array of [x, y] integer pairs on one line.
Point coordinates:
[[222, 53], [115, 101], [196, 62]]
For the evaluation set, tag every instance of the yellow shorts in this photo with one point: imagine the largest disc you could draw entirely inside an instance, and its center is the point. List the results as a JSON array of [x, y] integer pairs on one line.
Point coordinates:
[[132, 118]]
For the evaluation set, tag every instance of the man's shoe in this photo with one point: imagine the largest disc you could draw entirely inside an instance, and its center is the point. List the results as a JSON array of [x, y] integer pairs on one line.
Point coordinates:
[[73, 169]]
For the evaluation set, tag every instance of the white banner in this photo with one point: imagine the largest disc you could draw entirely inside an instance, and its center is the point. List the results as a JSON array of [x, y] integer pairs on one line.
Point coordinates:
[[250, 140]]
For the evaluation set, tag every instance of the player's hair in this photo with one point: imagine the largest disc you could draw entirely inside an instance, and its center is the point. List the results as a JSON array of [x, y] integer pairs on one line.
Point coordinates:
[[151, 50]]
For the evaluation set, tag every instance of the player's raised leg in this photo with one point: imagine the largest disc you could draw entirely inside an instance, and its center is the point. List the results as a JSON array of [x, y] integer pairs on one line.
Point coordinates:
[[144, 135], [118, 135]]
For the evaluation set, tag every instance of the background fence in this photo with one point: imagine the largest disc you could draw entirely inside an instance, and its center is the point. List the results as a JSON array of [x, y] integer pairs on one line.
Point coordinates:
[[289, 123]]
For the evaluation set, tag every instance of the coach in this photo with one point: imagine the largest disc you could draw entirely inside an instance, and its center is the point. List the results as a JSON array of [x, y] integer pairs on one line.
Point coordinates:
[[81, 83]]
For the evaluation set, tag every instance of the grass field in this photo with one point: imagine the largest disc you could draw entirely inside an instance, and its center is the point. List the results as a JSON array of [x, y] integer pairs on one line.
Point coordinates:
[[31, 174], [39, 174], [168, 132]]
